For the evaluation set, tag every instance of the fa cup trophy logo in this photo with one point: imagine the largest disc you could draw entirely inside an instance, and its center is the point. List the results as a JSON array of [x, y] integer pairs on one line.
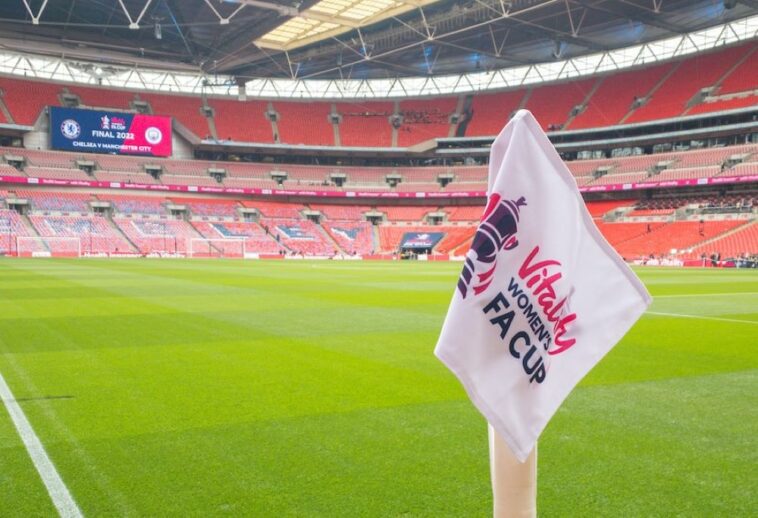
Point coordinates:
[[497, 231]]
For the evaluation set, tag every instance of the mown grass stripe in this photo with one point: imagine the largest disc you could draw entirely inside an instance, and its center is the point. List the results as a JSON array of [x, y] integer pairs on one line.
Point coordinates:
[[56, 488]]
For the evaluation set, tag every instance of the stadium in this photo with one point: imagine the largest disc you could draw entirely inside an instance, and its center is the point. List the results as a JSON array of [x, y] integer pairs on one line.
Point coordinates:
[[230, 230]]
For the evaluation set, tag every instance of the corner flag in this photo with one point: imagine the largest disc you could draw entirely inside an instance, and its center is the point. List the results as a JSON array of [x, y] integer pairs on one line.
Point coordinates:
[[542, 296]]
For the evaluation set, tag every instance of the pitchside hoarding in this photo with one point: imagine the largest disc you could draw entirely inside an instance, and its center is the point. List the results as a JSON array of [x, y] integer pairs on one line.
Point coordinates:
[[121, 133]]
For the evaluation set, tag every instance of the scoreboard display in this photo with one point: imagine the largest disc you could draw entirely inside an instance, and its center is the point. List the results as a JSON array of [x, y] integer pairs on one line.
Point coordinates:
[[93, 131]]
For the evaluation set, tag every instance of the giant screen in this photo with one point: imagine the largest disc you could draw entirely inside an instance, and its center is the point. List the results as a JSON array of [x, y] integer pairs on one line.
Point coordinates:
[[109, 132]]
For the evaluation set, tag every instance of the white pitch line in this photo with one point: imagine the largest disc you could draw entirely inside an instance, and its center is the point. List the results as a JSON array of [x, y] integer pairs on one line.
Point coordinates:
[[59, 494], [700, 317], [681, 296]]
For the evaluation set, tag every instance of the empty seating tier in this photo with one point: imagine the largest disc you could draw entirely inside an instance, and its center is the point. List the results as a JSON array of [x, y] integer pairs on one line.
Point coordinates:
[[365, 124]]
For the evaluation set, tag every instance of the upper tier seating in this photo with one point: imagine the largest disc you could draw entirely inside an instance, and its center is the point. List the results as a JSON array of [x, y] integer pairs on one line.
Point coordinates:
[[184, 109], [425, 120], [716, 104], [304, 123], [551, 105], [26, 99], [692, 74], [490, 112], [365, 124], [243, 121], [101, 98], [738, 88], [614, 97], [744, 77]]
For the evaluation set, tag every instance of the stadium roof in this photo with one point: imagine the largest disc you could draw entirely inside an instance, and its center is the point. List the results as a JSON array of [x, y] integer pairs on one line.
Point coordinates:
[[251, 39], [329, 18]]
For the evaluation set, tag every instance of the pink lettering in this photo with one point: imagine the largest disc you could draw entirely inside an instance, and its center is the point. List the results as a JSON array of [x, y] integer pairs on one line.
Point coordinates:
[[541, 280]]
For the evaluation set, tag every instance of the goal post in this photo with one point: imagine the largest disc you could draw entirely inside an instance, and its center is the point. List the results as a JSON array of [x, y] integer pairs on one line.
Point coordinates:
[[203, 247], [161, 244], [48, 246]]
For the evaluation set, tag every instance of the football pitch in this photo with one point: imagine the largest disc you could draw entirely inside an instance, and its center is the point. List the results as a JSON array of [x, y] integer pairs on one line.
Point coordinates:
[[299, 388]]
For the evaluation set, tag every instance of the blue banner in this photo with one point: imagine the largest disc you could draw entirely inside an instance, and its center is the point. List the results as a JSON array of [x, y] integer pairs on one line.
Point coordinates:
[[421, 240]]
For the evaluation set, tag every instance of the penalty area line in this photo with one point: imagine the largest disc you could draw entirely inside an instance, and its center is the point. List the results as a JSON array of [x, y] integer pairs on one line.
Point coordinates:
[[701, 317], [59, 494]]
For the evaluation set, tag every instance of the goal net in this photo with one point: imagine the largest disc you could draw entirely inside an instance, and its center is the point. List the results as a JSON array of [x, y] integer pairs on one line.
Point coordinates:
[[48, 246], [161, 244], [199, 247]]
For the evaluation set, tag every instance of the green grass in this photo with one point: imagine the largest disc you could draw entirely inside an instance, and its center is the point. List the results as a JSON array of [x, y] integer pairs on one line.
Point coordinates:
[[197, 388]]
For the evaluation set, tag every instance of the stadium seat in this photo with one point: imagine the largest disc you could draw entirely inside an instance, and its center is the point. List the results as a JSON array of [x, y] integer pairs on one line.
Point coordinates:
[[316, 132], [424, 120], [365, 124], [692, 74]]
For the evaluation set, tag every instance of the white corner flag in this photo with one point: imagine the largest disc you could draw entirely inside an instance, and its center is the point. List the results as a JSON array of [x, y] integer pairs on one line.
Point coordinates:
[[542, 296]]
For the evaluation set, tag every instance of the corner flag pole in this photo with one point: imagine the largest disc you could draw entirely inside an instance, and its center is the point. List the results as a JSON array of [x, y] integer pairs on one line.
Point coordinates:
[[514, 483], [541, 299]]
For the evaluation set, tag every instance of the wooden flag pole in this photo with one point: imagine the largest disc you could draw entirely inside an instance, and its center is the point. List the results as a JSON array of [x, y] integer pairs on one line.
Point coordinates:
[[514, 484]]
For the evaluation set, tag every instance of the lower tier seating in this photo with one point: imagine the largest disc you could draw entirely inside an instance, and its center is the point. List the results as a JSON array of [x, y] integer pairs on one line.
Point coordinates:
[[258, 240], [95, 233]]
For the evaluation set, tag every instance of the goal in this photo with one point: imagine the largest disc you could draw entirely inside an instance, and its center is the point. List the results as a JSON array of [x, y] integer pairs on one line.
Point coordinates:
[[232, 247], [48, 246]]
